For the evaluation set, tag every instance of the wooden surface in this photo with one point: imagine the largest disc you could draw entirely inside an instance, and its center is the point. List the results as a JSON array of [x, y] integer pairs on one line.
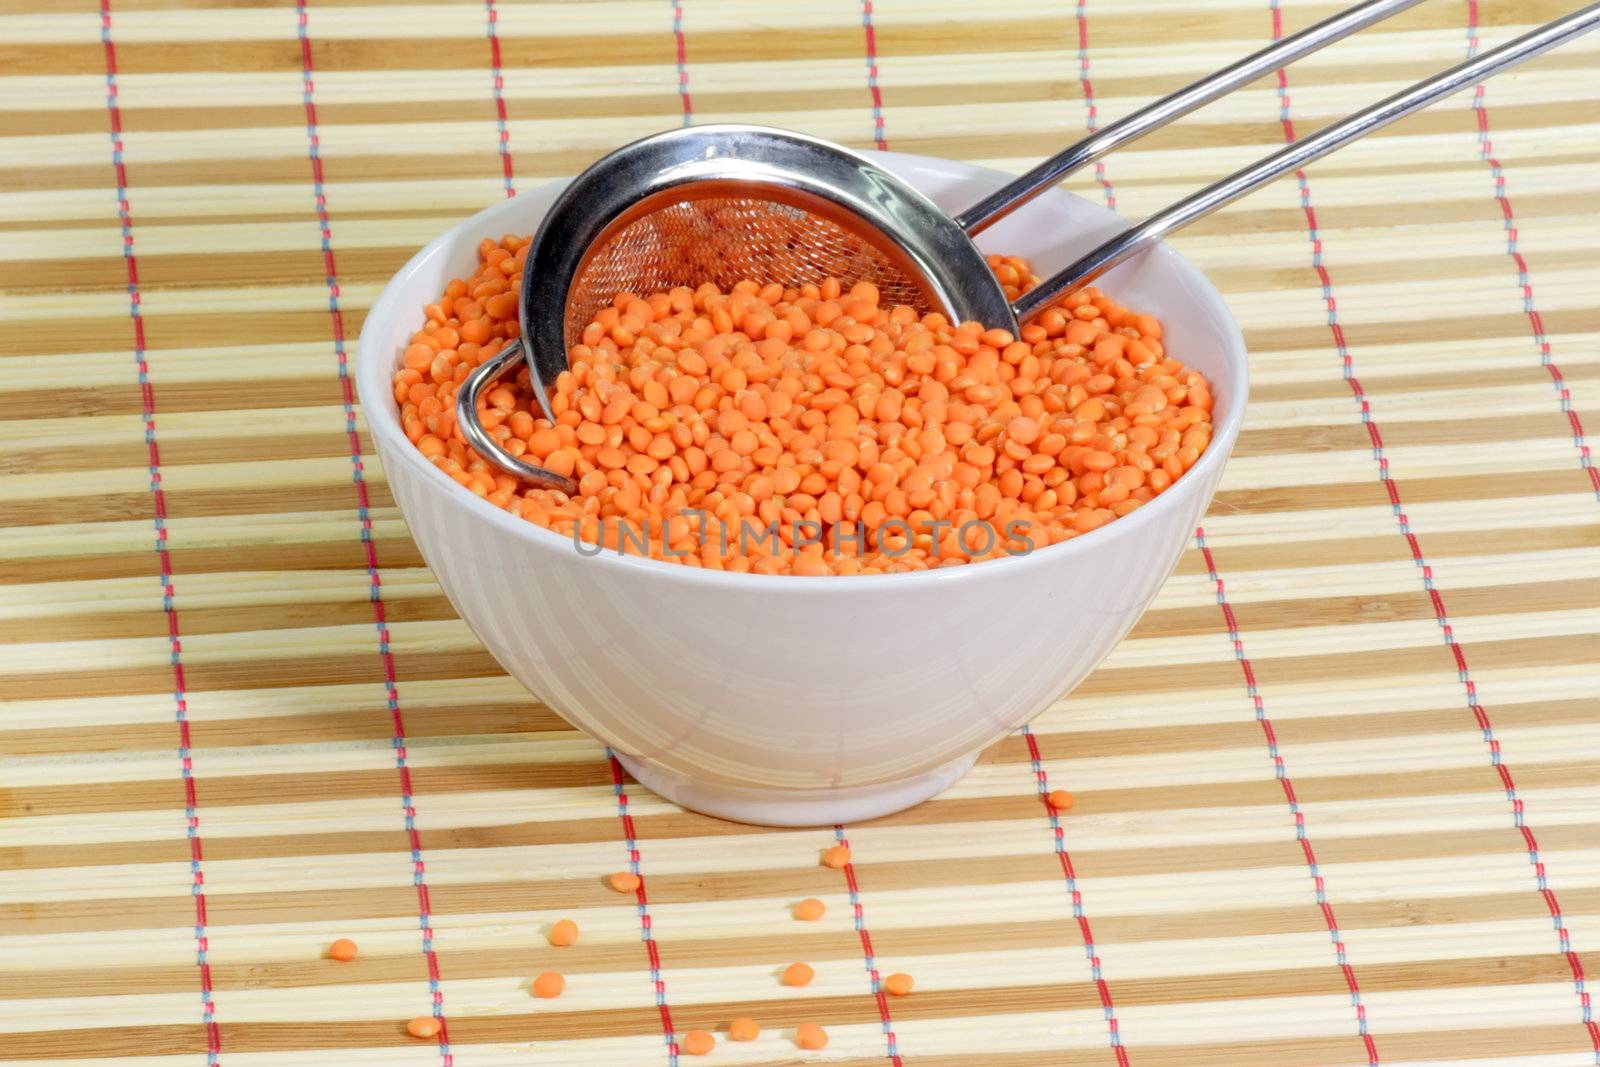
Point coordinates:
[[1337, 795]]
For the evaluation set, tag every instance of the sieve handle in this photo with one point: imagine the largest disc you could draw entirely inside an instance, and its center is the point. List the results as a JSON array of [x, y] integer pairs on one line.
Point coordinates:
[[1299, 153], [484, 375], [1004, 201]]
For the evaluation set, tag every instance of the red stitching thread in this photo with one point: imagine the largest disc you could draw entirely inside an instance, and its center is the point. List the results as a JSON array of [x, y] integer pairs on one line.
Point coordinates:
[[1069, 872], [1281, 771], [872, 76], [1092, 121], [1391, 486], [363, 503], [492, 20], [683, 61], [1524, 275], [158, 495], [646, 928], [867, 955]]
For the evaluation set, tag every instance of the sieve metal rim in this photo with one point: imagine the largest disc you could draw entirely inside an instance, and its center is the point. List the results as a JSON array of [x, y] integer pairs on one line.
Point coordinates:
[[731, 160]]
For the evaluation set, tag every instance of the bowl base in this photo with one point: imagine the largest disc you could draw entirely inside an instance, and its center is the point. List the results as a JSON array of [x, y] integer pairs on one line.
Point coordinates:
[[791, 807]]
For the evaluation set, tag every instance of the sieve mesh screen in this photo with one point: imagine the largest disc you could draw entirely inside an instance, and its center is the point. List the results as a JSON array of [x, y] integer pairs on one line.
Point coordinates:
[[724, 240]]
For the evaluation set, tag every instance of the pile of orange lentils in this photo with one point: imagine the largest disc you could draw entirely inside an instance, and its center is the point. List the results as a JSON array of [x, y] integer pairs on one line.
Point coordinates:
[[812, 430]]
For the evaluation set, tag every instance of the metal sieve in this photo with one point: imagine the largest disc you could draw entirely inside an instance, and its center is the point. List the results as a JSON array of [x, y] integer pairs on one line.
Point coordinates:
[[727, 202]]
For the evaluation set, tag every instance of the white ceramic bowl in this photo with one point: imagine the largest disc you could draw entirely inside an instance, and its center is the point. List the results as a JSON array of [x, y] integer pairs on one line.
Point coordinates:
[[805, 701]]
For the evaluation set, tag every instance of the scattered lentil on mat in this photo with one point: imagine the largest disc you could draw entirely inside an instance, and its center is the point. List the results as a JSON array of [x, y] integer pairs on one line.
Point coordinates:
[[898, 984], [343, 950], [698, 1042], [798, 974], [810, 1036], [623, 881], [563, 933], [743, 1028], [549, 985], [810, 909], [424, 1026], [1060, 799], [910, 442], [837, 857]]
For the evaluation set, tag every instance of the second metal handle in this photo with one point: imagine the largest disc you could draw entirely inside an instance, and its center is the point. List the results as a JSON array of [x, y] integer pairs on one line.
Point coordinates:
[[1298, 154], [1002, 202]]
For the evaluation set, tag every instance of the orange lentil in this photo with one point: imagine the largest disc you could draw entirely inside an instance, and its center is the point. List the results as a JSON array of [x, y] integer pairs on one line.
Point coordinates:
[[423, 1026], [898, 984], [826, 407], [810, 909], [549, 985], [1022, 430], [623, 881], [837, 857], [810, 1036], [798, 974], [563, 933], [698, 1042], [1060, 799], [743, 1028], [343, 950]]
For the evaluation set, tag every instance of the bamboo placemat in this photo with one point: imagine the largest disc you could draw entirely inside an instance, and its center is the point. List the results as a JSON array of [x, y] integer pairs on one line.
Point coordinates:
[[1337, 795]]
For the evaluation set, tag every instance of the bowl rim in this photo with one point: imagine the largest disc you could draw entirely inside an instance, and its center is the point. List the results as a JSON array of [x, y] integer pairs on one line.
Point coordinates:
[[384, 426]]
